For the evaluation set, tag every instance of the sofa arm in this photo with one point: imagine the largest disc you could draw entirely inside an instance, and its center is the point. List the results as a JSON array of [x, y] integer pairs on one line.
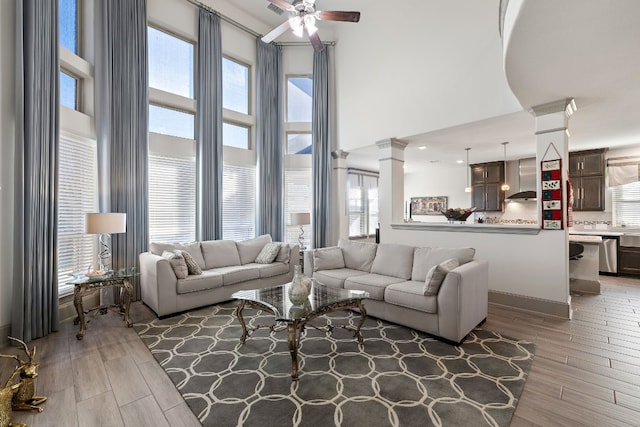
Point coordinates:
[[158, 284], [463, 300]]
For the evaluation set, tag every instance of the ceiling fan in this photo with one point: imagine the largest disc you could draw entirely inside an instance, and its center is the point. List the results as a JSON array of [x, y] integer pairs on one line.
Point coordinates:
[[302, 20]]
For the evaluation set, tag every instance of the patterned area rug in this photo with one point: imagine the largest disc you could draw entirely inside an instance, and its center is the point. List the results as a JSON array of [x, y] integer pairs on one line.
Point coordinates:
[[400, 378]]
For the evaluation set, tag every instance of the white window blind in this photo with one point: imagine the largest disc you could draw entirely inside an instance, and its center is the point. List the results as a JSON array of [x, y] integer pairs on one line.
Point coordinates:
[[77, 188], [626, 205], [172, 199], [239, 205], [298, 198], [363, 203]]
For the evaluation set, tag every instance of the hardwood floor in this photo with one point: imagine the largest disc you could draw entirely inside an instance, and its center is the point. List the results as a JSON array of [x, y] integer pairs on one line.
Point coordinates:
[[586, 371]]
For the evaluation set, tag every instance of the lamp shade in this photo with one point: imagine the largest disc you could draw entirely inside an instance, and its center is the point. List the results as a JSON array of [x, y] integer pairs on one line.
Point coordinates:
[[300, 218], [108, 223]]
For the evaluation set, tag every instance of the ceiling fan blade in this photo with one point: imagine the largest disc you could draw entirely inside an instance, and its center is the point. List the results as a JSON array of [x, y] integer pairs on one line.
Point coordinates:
[[276, 32], [315, 40], [282, 4], [334, 15]]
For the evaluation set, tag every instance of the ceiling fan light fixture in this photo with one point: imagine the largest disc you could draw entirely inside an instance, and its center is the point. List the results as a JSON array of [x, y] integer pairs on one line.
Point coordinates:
[[310, 24], [296, 25]]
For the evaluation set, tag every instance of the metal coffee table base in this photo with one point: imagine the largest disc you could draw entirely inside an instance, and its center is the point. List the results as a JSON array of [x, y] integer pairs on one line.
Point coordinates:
[[295, 327]]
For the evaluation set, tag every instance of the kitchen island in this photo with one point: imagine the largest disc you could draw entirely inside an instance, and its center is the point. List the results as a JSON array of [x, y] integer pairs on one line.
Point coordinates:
[[528, 266]]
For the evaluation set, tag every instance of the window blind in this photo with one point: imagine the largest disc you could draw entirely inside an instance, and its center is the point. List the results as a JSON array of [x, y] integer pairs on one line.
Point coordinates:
[[239, 205], [298, 198], [626, 205], [77, 195], [172, 199], [363, 203]]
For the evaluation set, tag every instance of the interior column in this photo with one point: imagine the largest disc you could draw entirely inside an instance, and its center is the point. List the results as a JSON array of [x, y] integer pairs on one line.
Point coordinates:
[[552, 142], [340, 191], [390, 184]]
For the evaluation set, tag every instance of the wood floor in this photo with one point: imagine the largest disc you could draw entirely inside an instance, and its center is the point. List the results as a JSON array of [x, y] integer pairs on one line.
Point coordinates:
[[586, 371]]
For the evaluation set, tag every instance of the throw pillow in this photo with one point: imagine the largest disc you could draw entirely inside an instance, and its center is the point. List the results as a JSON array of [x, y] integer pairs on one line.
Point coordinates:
[[327, 259], [283, 255], [268, 253], [192, 265], [177, 263], [436, 276]]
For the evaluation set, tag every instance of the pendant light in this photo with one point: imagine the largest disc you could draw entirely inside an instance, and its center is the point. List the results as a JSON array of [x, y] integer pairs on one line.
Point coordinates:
[[467, 189], [505, 186]]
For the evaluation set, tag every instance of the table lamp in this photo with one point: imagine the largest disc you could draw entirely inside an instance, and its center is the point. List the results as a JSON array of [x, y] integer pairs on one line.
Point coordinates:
[[105, 224], [301, 218]]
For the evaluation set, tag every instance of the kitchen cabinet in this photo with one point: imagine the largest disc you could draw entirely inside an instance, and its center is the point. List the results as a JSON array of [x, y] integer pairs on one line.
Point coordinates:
[[629, 260], [586, 170], [486, 180]]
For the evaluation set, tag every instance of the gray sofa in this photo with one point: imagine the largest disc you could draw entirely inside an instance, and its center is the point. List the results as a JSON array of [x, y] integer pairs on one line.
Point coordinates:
[[227, 266], [403, 283]]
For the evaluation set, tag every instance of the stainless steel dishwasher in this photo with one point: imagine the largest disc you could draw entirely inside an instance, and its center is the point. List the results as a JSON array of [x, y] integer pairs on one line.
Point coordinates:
[[609, 255]]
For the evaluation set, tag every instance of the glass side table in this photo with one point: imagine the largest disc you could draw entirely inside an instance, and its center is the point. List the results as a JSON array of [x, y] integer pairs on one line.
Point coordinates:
[[122, 280]]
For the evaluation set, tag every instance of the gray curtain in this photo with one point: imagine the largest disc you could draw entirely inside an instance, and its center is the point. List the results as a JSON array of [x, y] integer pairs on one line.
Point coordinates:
[[269, 141], [321, 150], [122, 123], [209, 128], [35, 279]]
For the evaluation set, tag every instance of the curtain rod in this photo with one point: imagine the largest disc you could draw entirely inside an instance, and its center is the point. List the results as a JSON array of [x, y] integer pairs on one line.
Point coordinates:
[[247, 29]]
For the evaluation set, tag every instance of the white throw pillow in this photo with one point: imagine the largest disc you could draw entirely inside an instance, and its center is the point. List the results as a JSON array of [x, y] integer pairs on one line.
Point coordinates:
[[268, 253], [177, 263], [436, 276], [327, 259]]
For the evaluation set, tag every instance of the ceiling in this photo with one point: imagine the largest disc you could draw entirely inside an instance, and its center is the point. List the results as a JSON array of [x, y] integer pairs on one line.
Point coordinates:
[[589, 51]]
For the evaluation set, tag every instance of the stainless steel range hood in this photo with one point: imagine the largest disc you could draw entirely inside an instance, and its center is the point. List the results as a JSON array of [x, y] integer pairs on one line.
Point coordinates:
[[527, 180]]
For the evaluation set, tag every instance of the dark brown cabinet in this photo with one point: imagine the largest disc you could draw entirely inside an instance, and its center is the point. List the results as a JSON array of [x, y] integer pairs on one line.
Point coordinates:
[[629, 260], [586, 170], [486, 180]]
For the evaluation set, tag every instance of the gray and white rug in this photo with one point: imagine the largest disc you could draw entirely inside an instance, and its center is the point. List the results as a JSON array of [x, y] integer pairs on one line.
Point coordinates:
[[400, 378]]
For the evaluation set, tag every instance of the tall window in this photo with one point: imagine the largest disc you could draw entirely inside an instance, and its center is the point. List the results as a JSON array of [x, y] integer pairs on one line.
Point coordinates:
[[298, 198], [299, 98], [77, 181], [237, 119], [299, 143], [239, 212], [77, 156], [363, 203], [172, 163]]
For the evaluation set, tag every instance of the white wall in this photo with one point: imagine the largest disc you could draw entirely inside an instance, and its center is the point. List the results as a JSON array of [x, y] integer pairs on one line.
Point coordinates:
[[453, 74], [7, 138]]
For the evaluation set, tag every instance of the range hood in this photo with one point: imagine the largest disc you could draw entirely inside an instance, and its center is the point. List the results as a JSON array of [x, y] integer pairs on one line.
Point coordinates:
[[527, 180]]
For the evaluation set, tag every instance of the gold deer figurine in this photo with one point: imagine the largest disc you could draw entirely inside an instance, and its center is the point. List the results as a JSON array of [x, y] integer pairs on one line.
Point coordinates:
[[24, 399], [6, 397]]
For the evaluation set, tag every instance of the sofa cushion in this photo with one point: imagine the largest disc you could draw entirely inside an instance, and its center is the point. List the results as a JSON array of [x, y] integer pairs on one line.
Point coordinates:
[[393, 260], [192, 265], [327, 259], [410, 294], [336, 278], [207, 280], [238, 273], [424, 259], [436, 276], [372, 283], [270, 270], [220, 253], [358, 255], [193, 249], [177, 263], [268, 253], [250, 248], [284, 254]]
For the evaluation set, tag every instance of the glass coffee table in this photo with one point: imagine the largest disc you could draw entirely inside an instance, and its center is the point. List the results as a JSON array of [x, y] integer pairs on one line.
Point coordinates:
[[322, 300]]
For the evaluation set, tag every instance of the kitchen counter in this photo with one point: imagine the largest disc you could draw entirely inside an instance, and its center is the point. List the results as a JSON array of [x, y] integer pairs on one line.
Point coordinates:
[[469, 228]]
